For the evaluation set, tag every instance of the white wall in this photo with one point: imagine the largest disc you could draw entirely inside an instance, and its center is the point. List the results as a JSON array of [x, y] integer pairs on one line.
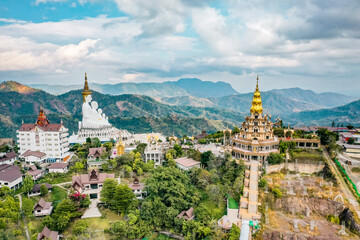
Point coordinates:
[[11, 184]]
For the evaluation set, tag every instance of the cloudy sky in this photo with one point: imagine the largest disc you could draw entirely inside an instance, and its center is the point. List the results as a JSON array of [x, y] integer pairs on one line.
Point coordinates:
[[309, 44]]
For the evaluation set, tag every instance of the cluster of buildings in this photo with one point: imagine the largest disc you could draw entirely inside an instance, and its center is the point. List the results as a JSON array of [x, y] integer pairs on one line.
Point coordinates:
[[44, 147]]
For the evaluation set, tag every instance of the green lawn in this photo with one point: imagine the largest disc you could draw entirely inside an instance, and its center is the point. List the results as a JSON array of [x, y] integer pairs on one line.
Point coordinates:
[[55, 178]]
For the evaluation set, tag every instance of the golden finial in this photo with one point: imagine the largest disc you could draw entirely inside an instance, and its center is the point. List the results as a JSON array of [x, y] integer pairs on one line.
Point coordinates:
[[86, 91], [256, 105]]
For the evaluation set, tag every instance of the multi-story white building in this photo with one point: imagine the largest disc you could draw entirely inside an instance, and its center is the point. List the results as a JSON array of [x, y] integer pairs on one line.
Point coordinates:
[[45, 137]]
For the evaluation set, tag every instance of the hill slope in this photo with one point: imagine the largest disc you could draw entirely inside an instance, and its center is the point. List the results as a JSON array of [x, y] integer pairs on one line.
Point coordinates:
[[349, 113]]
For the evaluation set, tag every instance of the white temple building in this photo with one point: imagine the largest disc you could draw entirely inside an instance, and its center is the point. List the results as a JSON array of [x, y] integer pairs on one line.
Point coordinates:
[[94, 122]]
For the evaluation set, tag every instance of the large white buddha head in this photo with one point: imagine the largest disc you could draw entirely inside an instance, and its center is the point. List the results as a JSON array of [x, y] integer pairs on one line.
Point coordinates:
[[94, 105], [88, 99]]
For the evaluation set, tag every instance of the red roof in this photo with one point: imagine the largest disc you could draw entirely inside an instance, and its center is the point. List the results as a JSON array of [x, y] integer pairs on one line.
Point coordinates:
[[33, 153], [96, 152], [48, 234], [8, 156], [52, 127], [58, 165], [9, 173], [187, 215]]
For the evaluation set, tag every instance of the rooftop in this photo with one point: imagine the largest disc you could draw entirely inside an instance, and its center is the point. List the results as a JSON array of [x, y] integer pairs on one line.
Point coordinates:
[[33, 153], [58, 165], [9, 173], [186, 162]]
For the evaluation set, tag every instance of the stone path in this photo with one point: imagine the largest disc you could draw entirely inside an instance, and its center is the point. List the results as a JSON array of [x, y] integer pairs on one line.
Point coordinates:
[[93, 211], [23, 217]]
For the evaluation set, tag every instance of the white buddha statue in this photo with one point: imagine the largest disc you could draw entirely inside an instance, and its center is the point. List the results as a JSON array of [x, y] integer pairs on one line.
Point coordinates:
[[90, 115]]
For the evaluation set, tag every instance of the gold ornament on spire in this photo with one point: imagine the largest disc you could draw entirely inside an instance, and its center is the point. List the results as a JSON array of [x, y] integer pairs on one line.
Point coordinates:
[[256, 105], [86, 91]]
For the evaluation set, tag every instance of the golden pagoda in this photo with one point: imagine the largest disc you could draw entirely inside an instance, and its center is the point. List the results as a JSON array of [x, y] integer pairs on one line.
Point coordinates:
[[86, 90], [255, 141], [256, 105]]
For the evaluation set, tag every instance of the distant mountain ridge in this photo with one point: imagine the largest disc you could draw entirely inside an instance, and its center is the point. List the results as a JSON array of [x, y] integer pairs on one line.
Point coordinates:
[[281, 102], [182, 87]]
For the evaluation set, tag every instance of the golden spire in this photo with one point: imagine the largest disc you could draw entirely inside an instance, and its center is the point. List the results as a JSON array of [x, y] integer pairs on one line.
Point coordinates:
[[256, 105], [86, 91]]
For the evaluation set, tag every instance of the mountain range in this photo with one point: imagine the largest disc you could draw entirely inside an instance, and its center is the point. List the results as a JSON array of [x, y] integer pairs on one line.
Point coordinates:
[[187, 114], [281, 102], [182, 87]]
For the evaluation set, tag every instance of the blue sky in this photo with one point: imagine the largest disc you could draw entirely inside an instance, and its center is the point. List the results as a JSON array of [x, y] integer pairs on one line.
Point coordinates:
[[312, 44]]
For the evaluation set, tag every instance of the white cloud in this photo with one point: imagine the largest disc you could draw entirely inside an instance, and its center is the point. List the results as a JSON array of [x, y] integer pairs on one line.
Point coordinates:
[[37, 2], [32, 56], [165, 39]]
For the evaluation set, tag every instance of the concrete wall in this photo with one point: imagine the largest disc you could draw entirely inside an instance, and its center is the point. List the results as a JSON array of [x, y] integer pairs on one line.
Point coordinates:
[[302, 168]]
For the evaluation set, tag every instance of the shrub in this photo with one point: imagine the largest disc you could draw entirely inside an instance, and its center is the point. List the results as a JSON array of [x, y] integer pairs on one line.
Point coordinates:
[[262, 182], [275, 158], [277, 192], [333, 219], [80, 227]]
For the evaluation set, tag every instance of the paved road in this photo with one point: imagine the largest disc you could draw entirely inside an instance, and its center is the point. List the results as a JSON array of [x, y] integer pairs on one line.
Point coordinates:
[[347, 193], [23, 217]]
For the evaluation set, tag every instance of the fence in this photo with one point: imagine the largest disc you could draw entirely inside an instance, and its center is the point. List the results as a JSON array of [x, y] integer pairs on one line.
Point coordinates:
[[347, 177]]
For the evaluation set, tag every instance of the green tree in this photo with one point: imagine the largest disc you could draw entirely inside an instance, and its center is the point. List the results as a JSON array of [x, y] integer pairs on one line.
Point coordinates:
[[95, 142], [4, 191], [43, 190], [326, 136], [49, 222], [140, 148], [108, 146], [118, 228], [27, 206], [206, 157], [28, 184], [105, 167], [235, 130], [171, 185], [275, 158], [234, 233], [108, 191], [279, 132], [78, 167], [85, 202], [170, 160], [178, 150], [124, 197]]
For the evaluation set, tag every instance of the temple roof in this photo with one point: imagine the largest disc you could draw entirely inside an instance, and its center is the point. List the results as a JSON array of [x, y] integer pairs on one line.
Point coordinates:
[[42, 120], [256, 105]]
